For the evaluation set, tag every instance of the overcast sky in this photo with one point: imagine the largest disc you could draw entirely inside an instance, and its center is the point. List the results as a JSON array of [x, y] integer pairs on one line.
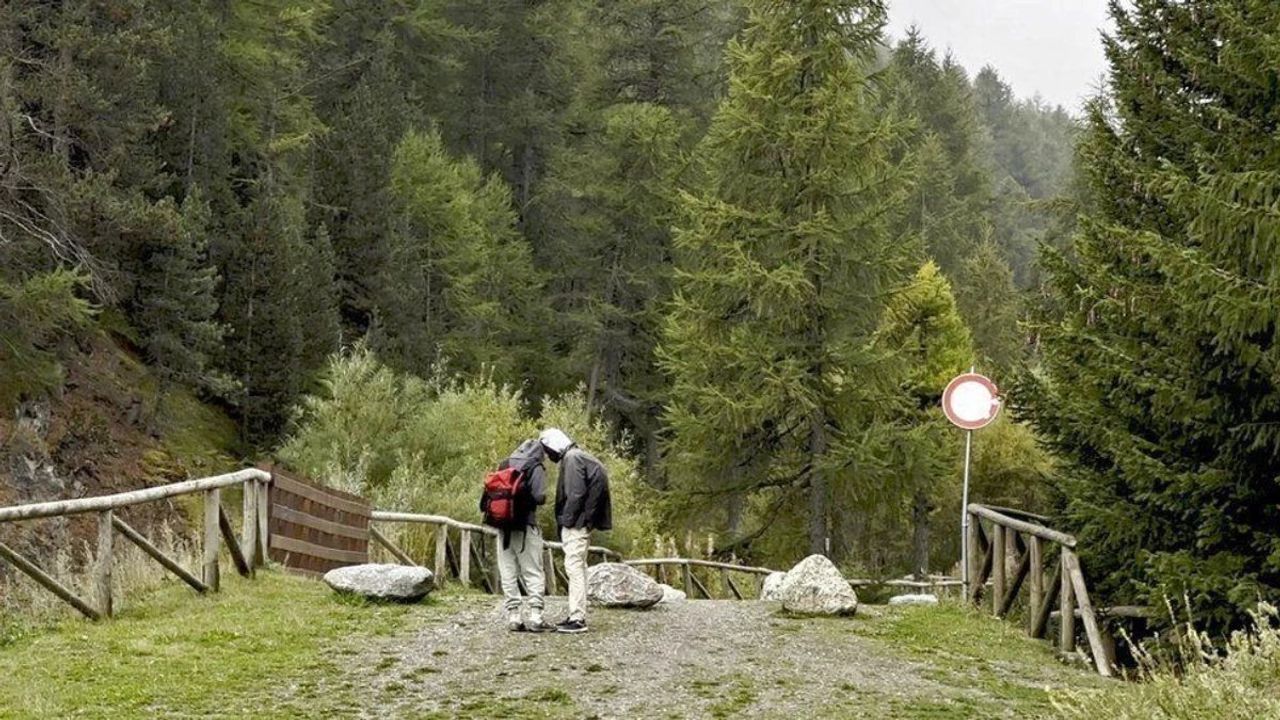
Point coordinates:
[[1050, 47]]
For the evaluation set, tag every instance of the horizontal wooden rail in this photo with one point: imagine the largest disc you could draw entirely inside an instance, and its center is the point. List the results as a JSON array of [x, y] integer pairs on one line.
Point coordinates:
[[125, 499], [217, 530], [701, 563], [403, 517], [1022, 526]]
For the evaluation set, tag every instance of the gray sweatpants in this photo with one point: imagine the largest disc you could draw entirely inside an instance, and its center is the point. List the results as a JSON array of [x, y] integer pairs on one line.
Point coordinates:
[[520, 562]]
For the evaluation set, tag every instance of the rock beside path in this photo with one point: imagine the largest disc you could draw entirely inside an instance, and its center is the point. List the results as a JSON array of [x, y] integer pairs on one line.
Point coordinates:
[[816, 587], [772, 584], [920, 599], [672, 595], [398, 583], [621, 586]]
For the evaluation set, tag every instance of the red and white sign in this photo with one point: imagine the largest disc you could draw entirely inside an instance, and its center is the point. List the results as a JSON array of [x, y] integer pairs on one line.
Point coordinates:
[[971, 401]]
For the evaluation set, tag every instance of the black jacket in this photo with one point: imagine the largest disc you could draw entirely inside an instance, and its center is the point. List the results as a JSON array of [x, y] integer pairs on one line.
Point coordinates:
[[528, 459], [582, 492]]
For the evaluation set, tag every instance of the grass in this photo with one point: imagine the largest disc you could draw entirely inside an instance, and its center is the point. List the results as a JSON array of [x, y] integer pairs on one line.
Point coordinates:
[[990, 666], [261, 648]]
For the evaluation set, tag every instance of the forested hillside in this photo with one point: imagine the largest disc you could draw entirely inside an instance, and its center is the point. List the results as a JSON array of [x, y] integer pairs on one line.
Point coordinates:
[[744, 242]]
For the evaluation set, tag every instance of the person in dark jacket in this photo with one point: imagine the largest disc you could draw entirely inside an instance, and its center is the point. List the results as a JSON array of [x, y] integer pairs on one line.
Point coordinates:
[[520, 556], [582, 505]]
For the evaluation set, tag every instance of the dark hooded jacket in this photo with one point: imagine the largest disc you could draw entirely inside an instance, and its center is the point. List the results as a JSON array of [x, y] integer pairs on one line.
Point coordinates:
[[582, 493], [528, 459]]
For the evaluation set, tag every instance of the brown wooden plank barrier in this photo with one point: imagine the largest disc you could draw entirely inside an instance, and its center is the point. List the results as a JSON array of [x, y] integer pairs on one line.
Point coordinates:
[[314, 529]]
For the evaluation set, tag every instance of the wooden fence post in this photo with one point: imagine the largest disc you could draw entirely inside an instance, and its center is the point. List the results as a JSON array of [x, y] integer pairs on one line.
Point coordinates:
[[102, 576], [212, 538], [464, 558], [442, 552], [249, 524], [997, 566], [688, 580], [1066, 608], [550, 571], [264, 521], [1036, 590], [495, 572], [1097, 644]]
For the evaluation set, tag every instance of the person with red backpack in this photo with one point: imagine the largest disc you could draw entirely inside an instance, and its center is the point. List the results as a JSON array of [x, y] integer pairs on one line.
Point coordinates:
[[509, 503]]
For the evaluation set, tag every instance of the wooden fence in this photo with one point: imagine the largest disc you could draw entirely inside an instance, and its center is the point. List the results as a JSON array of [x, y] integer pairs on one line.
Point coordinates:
[[314, 528], [1028, 548], [247, 552], [477, 547]]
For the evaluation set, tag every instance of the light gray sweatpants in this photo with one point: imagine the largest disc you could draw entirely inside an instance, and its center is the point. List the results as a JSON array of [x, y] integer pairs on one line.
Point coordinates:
[[520, 562]]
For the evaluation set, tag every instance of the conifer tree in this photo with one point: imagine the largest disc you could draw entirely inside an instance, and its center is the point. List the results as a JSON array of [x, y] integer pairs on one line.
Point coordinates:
[[783, 254], [1159, 365], [177, 303], [924, 331], [460, 277]]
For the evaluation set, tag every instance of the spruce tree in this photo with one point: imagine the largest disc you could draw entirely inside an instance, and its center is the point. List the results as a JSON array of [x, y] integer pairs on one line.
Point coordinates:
[[783, 253], [177, 302], [1159, 344]]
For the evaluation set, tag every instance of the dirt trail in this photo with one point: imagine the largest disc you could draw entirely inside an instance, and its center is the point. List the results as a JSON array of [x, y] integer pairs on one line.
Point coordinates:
[[688, 660]]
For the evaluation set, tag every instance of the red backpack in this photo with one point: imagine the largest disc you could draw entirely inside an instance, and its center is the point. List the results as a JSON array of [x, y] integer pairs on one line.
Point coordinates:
[[498, 503]]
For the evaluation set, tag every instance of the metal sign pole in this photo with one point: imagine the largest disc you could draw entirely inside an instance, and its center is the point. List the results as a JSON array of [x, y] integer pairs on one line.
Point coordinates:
[[964, 515]]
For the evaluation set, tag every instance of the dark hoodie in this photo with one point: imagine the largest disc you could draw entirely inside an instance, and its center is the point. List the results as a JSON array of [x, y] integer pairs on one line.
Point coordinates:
[[528, 459]]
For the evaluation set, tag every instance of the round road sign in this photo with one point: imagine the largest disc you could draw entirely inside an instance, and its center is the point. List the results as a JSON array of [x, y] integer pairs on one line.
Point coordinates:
[[971, 401]]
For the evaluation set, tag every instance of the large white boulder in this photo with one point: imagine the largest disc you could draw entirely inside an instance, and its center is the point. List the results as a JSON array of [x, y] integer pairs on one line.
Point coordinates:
[[400, 583], [816, 587], [772, 584], [619, 585]]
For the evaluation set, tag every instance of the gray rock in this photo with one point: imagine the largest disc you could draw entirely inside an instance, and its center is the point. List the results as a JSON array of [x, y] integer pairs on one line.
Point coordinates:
[[772, 584], [815, 587], [672, 595], [618, 585], [400, 583], [922, 599]]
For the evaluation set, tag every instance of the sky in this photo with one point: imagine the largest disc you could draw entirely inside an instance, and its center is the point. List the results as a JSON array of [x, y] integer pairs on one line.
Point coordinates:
[[1050, 47]]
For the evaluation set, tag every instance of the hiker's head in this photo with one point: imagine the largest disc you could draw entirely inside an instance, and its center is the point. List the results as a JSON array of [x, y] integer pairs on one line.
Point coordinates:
[[555, 442]]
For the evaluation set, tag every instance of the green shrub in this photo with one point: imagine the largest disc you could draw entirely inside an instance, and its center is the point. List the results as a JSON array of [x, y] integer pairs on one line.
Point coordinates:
[[424, 445], [1197, 682]]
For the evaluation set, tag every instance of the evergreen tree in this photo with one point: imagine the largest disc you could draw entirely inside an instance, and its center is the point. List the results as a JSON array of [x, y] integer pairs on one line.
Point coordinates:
[[460, 279], [923, 330], [177, 301], [783, 254], [1158, 379], [985, 286]]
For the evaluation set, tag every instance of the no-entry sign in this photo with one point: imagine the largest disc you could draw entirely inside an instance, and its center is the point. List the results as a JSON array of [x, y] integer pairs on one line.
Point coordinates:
[[971, 401]]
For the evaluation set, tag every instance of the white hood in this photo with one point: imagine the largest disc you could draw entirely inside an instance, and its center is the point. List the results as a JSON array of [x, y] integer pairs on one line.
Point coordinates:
[[555, 440]]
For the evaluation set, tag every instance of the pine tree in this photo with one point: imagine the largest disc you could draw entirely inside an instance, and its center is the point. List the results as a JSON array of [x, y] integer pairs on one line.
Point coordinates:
[[923, 329], [783, 253], [1159, 365]]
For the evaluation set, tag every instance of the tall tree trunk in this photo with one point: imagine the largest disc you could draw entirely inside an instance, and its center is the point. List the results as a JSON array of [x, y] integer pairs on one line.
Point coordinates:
[[920, 509], [818, 488]]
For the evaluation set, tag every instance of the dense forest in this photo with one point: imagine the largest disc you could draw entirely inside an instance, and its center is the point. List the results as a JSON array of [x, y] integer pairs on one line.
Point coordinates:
[[738, 245]]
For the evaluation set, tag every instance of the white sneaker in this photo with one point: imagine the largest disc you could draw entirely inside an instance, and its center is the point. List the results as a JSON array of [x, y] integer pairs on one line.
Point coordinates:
[[537, 624], [513, 622]]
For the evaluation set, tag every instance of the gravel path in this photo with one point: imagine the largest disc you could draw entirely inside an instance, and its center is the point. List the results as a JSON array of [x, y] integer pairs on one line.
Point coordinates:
[[693, 659]]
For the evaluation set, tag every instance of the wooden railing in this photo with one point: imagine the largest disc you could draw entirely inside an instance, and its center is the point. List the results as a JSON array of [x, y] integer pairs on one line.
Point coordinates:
[[1030, 546], [249, 552], [693, 583], [457, 560]]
